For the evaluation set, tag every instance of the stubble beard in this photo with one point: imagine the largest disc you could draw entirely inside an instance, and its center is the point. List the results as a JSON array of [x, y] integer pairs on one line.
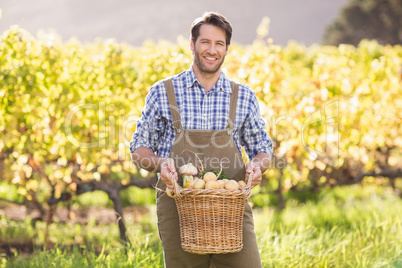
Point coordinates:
[[203, 68]]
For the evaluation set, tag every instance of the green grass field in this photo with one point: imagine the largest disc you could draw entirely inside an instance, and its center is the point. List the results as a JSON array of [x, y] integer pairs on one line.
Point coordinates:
[[352, 226]]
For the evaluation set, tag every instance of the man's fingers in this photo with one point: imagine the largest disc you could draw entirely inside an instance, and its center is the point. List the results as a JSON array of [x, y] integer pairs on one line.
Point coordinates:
[[168, 166], [256, 178], [172, 167], [167, 169]]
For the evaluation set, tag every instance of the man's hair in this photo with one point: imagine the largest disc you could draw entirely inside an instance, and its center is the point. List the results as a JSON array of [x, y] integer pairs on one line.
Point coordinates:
[[212, 18]]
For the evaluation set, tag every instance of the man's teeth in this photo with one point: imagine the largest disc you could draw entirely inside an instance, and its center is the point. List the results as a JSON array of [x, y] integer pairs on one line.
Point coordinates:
[[208, 58]]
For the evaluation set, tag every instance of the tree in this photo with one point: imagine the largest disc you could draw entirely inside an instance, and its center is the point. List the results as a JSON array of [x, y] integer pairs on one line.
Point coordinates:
[[367, 19], [66, 111]]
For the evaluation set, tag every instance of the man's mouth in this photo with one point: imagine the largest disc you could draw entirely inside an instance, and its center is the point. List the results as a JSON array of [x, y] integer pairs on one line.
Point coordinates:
[[210, 58]]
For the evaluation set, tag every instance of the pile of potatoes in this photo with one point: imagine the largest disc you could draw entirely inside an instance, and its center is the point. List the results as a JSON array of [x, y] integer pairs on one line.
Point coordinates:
[[208, 181]]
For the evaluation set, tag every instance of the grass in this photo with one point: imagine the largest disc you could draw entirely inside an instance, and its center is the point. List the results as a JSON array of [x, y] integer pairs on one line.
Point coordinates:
[[354, 230], [354, 226]]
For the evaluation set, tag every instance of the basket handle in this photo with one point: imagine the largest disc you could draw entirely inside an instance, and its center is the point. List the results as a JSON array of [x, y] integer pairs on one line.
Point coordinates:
[[250, 179], [248, 185], [176, 187]]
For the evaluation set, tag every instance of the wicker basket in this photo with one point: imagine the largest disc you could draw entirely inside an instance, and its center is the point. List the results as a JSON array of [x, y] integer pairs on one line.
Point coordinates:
[[211, 220]]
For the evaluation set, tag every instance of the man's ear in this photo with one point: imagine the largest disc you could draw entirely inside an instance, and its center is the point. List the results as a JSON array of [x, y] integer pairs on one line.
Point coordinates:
[[227, 50], [192, 46]]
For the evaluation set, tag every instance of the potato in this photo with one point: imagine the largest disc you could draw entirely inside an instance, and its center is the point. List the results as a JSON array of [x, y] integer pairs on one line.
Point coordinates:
[[242, 184], [232, 185], [191, 184], [199, 184], [212, 185], [221, 184], [209, 176]]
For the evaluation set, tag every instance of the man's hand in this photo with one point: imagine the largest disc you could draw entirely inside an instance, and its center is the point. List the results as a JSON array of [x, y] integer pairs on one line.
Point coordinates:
[[144, 158], [259, 164], [167, 167], [257, 175]]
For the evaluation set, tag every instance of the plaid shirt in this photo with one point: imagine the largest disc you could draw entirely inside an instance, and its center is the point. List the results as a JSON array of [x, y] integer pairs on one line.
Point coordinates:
[[200, 110]]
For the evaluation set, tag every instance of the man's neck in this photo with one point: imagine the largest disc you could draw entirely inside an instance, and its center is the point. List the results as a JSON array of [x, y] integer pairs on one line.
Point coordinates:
[[207, 80]]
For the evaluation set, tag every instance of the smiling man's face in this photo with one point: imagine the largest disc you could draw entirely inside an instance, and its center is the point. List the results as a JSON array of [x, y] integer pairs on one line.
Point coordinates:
[[210, 49]]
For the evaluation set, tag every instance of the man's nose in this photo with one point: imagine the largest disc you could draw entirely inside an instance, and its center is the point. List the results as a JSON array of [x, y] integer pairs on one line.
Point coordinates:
[[212, 49]]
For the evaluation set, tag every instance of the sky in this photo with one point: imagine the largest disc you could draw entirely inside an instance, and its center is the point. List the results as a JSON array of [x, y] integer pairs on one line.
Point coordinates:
[[135, 21]]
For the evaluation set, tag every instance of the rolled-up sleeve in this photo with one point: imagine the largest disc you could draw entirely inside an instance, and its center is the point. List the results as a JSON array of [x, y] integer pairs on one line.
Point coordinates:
[[150, 126], [254, 138]]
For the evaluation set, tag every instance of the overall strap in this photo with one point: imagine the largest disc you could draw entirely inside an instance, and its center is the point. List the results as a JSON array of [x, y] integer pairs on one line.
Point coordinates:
[[174, 109], [233, 104]]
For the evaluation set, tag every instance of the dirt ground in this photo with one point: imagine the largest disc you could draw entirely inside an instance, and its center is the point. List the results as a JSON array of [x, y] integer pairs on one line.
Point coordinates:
[[101, 215]]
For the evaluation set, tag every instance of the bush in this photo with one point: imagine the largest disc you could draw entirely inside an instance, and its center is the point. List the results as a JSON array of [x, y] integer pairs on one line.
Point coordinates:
[[69, 109]]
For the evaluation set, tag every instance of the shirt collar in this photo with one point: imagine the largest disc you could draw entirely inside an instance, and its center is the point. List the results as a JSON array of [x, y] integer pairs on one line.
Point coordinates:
[[223, 83]]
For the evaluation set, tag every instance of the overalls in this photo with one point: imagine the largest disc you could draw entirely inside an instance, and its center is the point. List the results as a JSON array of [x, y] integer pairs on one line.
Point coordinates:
[[212, 147]]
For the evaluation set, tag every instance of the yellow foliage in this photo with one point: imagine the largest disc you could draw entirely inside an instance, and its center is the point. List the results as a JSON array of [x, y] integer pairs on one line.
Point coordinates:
[[64, 103]]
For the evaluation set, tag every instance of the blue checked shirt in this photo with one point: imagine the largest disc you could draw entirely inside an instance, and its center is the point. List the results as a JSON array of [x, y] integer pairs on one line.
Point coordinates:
[[200, 110]]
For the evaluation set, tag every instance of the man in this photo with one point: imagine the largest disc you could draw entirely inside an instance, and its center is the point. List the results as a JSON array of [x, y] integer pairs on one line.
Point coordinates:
[[200, 112]]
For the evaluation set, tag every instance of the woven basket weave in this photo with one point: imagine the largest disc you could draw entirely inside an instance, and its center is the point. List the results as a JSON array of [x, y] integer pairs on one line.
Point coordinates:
[[211, 220]]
